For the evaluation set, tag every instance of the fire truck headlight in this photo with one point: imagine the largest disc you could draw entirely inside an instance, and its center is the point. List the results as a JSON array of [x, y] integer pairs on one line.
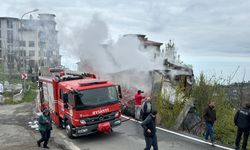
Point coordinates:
[[83, 122]]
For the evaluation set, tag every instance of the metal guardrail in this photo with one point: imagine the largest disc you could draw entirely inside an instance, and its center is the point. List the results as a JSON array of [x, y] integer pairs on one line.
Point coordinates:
[[19, 96]]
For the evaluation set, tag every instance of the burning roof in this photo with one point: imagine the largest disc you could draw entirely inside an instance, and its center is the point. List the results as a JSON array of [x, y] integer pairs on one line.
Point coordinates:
[[145, 40]]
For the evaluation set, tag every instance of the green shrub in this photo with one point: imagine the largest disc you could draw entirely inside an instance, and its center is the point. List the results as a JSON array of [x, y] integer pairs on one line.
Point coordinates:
[[29, 96], [205, 90], [168, 112]]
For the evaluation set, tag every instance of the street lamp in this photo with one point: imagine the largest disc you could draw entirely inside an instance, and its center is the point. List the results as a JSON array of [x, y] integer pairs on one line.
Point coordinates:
[[21, 26], [29, 12]]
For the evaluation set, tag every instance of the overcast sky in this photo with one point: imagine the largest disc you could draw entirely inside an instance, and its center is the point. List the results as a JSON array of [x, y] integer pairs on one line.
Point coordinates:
[[213, 36]]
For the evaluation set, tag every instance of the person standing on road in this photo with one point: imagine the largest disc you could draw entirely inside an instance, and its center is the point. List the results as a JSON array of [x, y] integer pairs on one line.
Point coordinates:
[[1, 88], [149, 127], [1, 93], [210, 118], [45, 127], [242, 121], [146, 108], [138, 101]]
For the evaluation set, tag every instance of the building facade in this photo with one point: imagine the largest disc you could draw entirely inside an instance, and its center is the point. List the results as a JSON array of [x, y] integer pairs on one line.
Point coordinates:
[[27, 44], [150, 46]]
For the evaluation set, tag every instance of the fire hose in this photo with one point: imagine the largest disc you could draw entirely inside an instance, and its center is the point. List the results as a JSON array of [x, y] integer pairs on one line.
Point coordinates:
[[125, 105]]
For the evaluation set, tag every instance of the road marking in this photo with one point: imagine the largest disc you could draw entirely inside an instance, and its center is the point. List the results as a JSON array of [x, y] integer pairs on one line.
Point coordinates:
[[72, 145], [62, 135], [182, 135]]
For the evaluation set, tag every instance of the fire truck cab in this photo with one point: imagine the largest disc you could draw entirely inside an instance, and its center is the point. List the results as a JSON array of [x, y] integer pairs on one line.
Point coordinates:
[[80, 103]]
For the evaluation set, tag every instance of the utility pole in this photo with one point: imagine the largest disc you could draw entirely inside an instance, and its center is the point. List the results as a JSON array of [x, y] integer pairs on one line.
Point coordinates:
[[241, 88]]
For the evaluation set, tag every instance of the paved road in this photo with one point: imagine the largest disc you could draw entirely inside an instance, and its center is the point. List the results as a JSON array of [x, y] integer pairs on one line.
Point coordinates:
[[15, 134], [129, 136]]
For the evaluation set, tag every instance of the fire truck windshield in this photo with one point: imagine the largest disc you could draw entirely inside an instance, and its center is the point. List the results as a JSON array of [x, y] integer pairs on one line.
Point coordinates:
[[96, 97]]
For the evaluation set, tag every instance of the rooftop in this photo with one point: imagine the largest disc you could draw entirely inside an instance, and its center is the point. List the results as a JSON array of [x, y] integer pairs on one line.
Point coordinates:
[[82, 84], [154, 43], [9, 18], [138, 35]]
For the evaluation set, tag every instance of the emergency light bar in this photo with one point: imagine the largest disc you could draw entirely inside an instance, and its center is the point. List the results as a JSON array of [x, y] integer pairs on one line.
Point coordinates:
[[55, 70], [84, 74], [93, 82]]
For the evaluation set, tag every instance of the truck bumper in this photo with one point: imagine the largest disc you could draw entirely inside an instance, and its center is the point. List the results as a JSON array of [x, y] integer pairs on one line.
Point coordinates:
[[85, 130]]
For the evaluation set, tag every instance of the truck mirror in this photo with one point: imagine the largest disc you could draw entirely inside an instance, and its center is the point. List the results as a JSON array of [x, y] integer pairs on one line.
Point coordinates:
[[119, 91], [65, 97]]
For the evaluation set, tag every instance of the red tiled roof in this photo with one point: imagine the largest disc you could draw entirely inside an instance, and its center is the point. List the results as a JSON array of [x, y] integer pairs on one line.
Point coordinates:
[[148, 42]]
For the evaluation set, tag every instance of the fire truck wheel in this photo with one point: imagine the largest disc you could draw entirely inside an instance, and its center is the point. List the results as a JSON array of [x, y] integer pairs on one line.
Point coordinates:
[[69, 130]]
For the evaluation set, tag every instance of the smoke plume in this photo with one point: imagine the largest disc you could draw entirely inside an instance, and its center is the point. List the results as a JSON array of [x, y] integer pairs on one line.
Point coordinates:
[[126, 58]]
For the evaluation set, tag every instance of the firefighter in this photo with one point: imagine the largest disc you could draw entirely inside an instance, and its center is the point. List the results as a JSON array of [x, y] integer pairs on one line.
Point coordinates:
[[138, 101], [45, 127], [149, 127], [242, 121], [146, 108]]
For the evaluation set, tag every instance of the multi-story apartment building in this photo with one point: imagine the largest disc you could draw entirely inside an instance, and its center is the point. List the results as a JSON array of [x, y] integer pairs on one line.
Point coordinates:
[[28, 44], [8, 41]]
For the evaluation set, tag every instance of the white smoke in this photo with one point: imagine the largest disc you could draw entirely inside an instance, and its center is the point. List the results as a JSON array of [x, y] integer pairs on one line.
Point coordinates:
[[125, 58]]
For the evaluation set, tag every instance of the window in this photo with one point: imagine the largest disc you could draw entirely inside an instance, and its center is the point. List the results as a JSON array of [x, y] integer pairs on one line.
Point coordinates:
[[10, 36], [96, 97], [22, 53], [0, 53], [41, 62], [31, 43], [32, 63], [61, 94], [71, 99], [31, 53], [49, 53], [0, 34], [9, 24], [10, 62], [42, 44], [0, 44], [10, 47], [22, 43]]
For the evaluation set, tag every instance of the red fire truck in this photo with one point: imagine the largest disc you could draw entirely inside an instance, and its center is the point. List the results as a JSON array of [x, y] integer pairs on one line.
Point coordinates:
[[80, 103]]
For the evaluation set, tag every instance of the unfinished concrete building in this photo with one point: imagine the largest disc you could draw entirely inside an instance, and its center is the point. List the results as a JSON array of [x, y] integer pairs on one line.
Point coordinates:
[[27, 44]]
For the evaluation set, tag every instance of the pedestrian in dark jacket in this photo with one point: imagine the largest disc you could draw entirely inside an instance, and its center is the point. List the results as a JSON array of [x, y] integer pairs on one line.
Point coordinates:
[[45, 128], [242, 121], [149, 127], [146, 108], [210, 118]]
